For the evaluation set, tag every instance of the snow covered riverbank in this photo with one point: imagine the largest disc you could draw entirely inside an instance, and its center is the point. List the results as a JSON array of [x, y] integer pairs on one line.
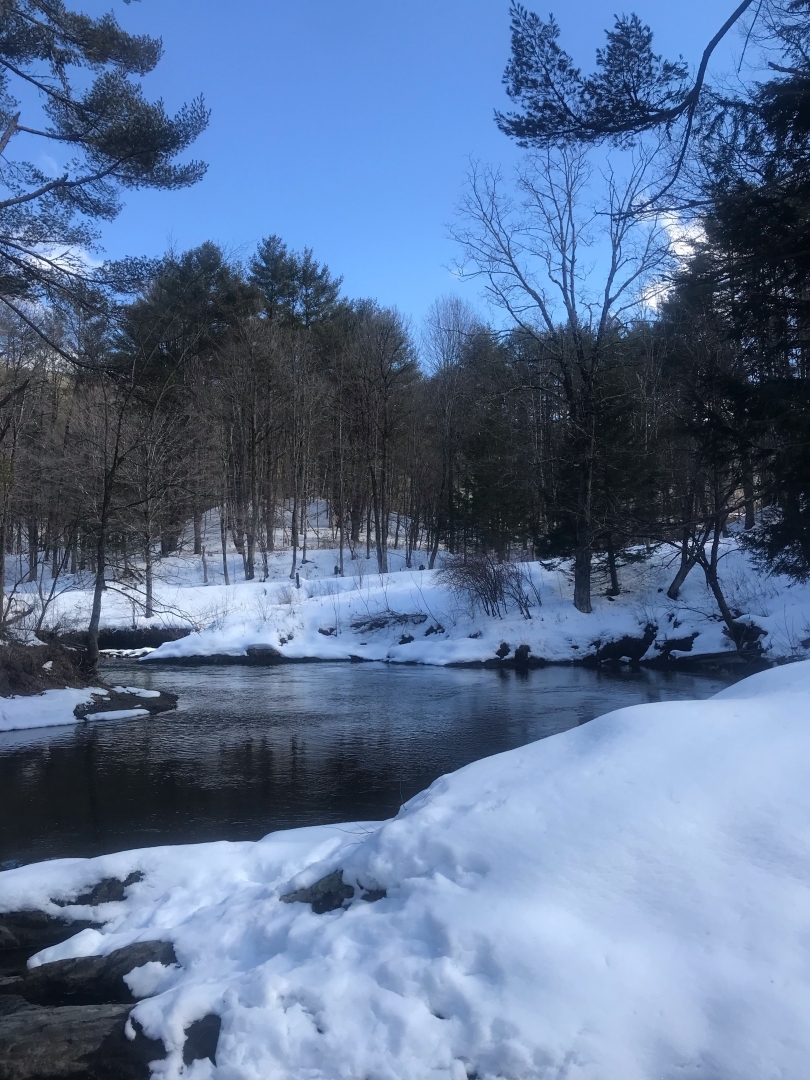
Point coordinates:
[[61, 707], [415, 617], [53, 708], [626, 899]]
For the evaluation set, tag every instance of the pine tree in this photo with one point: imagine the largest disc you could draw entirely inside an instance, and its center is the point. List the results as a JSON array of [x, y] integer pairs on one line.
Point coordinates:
[[109, 138], [296, 288]]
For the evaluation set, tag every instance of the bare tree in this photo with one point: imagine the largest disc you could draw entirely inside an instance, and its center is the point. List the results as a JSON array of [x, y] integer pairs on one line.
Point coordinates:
[[569, 272]]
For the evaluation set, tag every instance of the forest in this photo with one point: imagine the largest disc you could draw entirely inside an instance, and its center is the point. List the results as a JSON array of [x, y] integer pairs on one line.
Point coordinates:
[[643, 377], [386, 696]]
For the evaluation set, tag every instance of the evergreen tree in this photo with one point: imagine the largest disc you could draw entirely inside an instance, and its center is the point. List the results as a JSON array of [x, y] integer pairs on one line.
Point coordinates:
[[95, 118], [295, 287]]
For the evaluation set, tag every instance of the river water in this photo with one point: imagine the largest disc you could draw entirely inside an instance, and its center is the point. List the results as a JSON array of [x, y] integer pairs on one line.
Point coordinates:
[[250, 750]]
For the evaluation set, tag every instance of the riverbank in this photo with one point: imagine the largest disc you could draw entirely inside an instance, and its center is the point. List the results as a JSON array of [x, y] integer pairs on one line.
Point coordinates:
[[627, 898], [45, 686], [412, 616], [416, 617]]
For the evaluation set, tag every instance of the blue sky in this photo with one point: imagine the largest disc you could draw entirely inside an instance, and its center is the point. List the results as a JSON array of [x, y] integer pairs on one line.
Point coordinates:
[[348, 126]]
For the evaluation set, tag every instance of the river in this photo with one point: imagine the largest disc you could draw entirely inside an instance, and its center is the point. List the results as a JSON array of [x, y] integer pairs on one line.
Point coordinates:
[[250, 750]]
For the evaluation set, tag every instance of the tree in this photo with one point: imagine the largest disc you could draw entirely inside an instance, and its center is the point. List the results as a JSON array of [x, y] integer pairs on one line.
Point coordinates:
[[295, 287], [384, 371], [633, 90], [530, 255], [450, 328], [106, 135]]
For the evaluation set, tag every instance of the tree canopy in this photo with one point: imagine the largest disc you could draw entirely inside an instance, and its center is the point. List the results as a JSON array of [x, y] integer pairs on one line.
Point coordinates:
[[72, 82]]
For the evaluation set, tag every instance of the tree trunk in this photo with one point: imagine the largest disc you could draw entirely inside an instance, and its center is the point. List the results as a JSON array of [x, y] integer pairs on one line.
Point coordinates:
[[356, 515], [294, 537], [2, 572], [197, 532], [748, 495], [223, 531], [33, 548], [582, 577], [250, 556], [98, 592], [270, 523], [615, 587], [340, 531], [713, 581], [688, 560], [149, 582], [380, 525], [434, 551]]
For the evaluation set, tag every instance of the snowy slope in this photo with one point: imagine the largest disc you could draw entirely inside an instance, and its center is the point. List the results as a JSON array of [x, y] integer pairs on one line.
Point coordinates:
[[629, 899], [371, 617]]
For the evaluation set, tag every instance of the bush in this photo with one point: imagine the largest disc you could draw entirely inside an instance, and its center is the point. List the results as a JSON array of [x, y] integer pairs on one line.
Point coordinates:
[[492, 584]]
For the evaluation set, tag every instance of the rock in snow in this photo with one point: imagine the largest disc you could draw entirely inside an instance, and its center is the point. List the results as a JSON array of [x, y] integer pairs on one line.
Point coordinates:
[[628, 899]]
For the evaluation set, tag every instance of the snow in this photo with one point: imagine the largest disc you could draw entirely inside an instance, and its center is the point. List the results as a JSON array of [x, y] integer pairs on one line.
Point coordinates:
[[629, 898], [119, 714], [368, 616], [52, 708], [136, 691], [327, 617]]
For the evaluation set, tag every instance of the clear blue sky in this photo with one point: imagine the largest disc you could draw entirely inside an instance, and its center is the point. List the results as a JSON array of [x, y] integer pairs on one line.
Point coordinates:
[[348, 126]]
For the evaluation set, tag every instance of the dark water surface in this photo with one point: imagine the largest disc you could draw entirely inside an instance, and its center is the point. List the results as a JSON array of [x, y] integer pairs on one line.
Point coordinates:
[[250, 750]]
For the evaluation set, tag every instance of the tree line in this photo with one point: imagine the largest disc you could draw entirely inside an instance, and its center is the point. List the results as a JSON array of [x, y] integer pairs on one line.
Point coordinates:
[[626, 391]]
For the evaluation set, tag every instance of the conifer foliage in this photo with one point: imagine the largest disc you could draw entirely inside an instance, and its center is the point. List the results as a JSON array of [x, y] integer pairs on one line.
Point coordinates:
[[70, 86]]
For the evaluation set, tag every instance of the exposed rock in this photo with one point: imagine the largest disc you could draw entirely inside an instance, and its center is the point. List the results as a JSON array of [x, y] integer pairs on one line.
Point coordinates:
[[108, 890], [265, 654], [371, 896], [522, 656], [23, 933], [115, 701], [628, 647], [331, 893], [90, 980], [149, 637], [682, 644], [746, 634], [386, 619], [328, 894], [202, 1038], [121, 1058], [49, 1044]]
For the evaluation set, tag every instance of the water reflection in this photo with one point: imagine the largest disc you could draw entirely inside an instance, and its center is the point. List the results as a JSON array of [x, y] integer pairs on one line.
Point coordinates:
[[251, 750]]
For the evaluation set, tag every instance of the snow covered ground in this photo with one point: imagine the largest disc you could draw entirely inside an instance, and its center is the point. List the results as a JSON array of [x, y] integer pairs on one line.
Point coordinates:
[[53, 708], [371, 617], [627, 899]]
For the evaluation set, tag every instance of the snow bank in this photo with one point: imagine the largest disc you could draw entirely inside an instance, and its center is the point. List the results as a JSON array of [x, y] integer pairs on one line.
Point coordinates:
[[371, 616], [626, 899], [413, 617], [53, 708]]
